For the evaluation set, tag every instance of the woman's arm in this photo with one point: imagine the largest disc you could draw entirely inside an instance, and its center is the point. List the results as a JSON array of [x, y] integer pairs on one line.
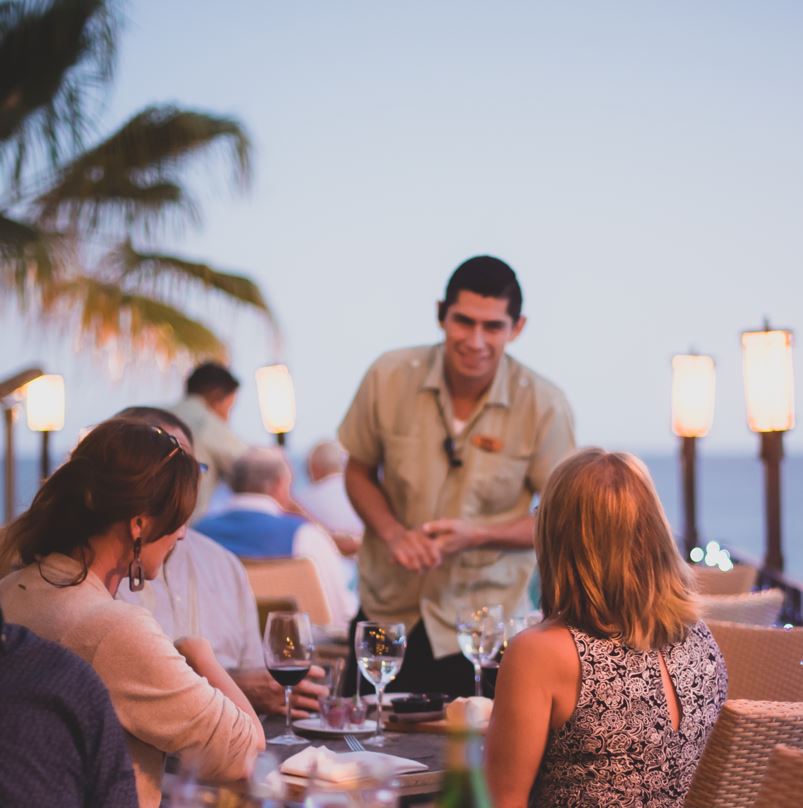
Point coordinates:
[[521, 717]]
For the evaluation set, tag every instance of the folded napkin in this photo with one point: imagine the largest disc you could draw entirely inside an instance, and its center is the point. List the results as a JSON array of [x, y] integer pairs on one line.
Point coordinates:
[[325, 764]]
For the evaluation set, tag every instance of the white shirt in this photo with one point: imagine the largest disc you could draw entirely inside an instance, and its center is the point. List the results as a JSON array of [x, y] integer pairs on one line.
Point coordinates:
[[317, 545], [203, 590], [326, 502]]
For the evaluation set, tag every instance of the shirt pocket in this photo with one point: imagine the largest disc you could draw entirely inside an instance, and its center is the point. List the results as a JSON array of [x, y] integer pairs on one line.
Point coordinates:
[[498, 482]]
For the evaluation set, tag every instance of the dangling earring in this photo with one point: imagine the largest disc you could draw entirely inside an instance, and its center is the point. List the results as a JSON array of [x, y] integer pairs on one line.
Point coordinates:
[[136, 575]]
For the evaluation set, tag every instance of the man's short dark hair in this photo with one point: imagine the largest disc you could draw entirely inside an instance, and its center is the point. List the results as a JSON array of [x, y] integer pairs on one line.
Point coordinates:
[[155, 416], [211, 380], [487, 276]]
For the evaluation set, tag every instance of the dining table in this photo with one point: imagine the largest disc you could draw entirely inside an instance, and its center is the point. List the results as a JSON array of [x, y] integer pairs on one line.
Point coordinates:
[[418, 789]]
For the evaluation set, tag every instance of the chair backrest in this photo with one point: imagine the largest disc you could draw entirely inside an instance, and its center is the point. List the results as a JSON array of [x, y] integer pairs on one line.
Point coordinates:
[[736, 581], [783, 783], [754, 608], [763, 663], [735, 759], [279, 582]]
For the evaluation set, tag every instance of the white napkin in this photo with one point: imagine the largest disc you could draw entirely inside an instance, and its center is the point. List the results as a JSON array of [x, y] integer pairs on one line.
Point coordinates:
[[339, 768], [474, 712]]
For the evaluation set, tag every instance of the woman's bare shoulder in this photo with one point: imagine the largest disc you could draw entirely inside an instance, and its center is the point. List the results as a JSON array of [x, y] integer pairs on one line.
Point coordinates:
[[551, 642]]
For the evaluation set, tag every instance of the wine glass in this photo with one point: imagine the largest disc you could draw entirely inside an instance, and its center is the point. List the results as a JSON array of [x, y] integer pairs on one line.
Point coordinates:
[[288, 651], [490, 668], [380, 651], [480, 633]]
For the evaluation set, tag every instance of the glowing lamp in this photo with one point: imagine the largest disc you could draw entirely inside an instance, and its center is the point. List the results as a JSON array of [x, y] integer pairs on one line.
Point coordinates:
[[44, 403], [769, 384], [769, 389], [277, 400], [693, 386]]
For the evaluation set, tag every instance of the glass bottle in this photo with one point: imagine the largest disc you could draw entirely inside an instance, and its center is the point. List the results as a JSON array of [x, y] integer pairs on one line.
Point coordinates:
[[464, 785]]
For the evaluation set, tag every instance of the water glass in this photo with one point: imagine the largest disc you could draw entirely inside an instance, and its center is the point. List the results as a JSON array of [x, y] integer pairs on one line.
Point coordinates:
[[380, 651], [480, 633]]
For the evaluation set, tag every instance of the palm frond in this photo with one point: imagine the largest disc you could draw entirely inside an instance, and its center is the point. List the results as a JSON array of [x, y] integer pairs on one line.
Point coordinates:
[[27, 256], [106, 313], [145, 155], [128, 265], [53, 56]]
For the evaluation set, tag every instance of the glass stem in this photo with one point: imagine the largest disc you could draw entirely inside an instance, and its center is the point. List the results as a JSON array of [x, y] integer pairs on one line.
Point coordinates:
[[477, 679], [380, 692], [287, 692]]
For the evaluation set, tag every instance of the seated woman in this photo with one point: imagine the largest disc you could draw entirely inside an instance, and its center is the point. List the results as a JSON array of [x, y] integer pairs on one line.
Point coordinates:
[[116, 508], [609, 701]]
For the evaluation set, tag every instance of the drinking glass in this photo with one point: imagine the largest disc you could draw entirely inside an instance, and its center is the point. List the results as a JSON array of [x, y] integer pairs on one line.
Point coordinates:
[[480, 633], [288, 654], [380, 651]]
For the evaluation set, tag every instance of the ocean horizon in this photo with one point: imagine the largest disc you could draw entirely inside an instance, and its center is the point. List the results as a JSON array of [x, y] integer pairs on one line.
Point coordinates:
[[730, 500]]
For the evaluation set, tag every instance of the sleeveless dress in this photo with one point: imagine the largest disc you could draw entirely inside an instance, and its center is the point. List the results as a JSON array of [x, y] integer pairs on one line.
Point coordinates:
[[618, 747]]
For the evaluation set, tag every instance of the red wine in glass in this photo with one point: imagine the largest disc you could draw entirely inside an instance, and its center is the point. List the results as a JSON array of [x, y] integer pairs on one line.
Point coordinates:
[[289, 675]]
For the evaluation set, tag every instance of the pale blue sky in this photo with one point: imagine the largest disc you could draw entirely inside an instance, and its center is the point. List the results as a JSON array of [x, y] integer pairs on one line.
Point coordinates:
[[639, 164]]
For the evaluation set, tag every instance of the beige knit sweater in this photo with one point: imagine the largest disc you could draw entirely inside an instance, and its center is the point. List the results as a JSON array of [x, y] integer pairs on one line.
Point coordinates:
[[163, 705]]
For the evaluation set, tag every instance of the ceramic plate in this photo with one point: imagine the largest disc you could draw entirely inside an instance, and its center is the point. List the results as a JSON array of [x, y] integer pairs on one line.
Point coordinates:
[[313, 726]]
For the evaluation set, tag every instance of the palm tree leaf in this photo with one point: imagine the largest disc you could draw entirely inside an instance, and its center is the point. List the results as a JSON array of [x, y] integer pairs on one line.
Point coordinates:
[[27, 256], [146, 153], [106, 313], [52, 59], [131, 265]]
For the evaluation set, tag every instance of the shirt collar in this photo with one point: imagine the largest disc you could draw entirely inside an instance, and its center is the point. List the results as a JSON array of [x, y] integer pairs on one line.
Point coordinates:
[[254, 502], [497, 394]]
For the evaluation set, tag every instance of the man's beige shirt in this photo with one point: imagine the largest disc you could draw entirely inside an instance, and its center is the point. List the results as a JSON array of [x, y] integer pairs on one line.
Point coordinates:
[[398, 421]]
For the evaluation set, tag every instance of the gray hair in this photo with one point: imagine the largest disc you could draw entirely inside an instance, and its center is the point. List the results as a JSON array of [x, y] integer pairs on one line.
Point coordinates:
[[325, 458], [260, 468]]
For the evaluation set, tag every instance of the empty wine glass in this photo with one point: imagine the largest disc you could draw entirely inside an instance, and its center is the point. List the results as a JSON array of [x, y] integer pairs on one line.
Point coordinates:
[[380, 651], [288, 650], [480, 633]]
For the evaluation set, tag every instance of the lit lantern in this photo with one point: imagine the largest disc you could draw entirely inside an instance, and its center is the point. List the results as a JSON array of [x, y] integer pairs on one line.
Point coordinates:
[[44, 403], [769, 384], [277, 400], [769, 388], [44, 410], [693, 387]]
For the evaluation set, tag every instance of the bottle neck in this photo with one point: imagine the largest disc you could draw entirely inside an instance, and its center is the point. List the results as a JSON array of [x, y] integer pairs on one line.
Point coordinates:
[[464, 751]]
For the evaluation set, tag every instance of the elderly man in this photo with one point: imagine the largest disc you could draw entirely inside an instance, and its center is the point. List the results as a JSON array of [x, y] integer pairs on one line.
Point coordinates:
[[257, 522], [203, 590], [447, 446]]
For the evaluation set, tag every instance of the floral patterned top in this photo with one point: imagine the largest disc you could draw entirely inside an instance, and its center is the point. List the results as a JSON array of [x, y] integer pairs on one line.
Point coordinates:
[[618, 747]]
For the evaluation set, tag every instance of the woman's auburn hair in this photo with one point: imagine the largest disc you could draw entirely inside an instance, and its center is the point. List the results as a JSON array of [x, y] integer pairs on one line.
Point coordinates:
[[608, 562], [121, 469]]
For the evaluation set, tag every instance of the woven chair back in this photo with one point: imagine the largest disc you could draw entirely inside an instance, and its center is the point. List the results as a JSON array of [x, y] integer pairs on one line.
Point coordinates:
[[782, 786], [288, 583], [763, 663], [754, 608], [734, 763], [712, 581]]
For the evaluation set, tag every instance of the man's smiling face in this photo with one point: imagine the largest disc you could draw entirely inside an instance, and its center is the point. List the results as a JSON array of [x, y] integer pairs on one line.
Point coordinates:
[[476, 332]]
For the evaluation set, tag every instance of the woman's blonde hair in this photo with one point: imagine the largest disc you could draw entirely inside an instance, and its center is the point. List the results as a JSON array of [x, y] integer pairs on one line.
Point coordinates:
[[608, 562]]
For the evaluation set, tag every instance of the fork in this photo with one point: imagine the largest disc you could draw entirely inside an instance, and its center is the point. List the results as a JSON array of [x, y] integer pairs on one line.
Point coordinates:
[[353, 743]]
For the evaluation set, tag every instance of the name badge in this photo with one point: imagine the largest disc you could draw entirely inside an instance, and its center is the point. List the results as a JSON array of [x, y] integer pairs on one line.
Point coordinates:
[[488, 443]]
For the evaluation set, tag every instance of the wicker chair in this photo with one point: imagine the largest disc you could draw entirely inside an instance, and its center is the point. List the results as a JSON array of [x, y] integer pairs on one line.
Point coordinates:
[[782, 786], [754, 608], [280, 584], [735, 759], [763, 663], [712, 581]]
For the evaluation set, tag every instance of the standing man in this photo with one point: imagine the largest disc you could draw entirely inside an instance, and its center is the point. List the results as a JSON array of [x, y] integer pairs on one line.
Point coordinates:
[[447, 445], [211, 391]]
